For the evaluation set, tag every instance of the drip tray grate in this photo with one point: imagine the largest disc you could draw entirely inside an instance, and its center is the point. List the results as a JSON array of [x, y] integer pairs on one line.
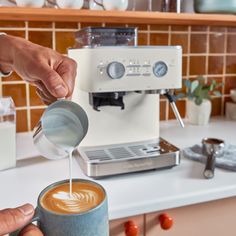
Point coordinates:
[[101, 161]]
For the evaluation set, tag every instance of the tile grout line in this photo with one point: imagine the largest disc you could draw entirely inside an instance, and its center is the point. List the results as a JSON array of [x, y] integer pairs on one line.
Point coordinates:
[[12, 29], [148, 35], [224, 72], [32, 107], [188, 63], [188, 52], [39, 29], [14, 82], [207, 52], [27, 85], [53, 36], [210, 54]]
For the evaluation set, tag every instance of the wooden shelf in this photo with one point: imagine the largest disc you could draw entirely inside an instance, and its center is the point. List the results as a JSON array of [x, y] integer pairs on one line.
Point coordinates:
[[126, 17]]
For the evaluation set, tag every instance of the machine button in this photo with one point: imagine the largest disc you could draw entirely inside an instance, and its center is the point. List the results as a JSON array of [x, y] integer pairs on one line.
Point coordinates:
[[115, 70], [160, 69]]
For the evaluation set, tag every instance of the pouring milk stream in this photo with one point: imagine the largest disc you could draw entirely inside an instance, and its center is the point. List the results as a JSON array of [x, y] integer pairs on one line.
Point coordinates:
[[60, 130]]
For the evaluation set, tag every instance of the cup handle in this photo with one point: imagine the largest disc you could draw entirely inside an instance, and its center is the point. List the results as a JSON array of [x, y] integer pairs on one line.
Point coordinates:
[[35, 218]]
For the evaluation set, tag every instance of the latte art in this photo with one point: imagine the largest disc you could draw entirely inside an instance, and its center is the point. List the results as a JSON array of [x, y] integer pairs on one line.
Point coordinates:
[[77, 202], [84, 197]]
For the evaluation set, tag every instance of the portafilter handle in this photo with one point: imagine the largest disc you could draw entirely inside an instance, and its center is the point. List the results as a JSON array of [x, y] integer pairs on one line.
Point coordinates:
[[213, 148]]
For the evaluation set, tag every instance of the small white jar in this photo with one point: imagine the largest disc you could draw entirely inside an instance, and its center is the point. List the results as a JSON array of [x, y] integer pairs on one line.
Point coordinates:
[[233, 94], [198, 114]]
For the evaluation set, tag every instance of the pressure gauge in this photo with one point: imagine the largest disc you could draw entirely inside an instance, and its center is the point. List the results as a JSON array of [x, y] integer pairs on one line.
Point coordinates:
[[160, 69], [115, 70]]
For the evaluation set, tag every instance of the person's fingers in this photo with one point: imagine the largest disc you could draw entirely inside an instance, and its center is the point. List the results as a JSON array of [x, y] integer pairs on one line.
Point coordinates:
[[31, 230], [38, 84], [45, 97], [54, 82], [43, 90], [67, 70], [13, 219]]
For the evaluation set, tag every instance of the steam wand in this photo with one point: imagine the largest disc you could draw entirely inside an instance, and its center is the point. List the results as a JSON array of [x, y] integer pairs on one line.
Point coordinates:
[[171, 100]]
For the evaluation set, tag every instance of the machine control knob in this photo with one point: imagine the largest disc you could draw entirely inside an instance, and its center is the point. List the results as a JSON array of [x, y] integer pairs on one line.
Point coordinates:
[[131, 229], [115, 70], [160, 69], [166, 221]]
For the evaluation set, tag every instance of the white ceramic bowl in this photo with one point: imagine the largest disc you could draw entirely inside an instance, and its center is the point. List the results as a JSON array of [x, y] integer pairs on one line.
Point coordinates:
[[233, 94], [77, 4], [94, 6], [120, 5], [30, 3]]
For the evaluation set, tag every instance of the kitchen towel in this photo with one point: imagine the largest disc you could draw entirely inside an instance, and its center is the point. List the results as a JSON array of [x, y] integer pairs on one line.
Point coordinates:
[[226, 161]]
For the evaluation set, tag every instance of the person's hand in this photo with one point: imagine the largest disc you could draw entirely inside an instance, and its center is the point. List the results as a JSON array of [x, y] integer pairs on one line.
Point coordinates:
[[52, 73], [13, 219]]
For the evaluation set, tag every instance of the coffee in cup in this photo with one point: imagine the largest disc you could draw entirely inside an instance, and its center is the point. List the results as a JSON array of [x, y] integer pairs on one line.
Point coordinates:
[[85, 196], [84, 213]]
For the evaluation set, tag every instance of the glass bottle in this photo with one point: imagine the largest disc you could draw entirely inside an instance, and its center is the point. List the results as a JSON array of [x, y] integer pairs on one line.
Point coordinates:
[[7, 133], [149, 8], [171, 6]]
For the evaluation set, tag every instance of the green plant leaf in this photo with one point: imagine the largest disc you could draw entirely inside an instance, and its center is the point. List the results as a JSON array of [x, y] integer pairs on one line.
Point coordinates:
[[197, 92], [198, 101], [217, 93], [205, 93], [219, 85], [187, 83], [194, 85], [212, 86], [201, 80], [200, 89], [179, 96], [200, 77], [189, 95]]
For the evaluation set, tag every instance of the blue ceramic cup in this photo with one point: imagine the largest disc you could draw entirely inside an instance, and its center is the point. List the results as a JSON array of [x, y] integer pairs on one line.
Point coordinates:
[[93, 222]]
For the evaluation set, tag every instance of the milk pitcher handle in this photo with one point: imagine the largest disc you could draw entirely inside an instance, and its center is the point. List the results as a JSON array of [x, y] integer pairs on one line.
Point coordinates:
[[35, 218]]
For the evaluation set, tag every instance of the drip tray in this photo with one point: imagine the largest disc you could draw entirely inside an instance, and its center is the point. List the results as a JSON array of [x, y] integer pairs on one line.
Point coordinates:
[[108, 160]]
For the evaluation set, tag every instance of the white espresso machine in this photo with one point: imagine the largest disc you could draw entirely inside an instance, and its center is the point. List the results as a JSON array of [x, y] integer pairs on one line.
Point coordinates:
[[119, 87]]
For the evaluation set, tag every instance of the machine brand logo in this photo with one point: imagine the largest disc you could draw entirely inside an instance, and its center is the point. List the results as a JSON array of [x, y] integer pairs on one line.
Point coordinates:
[[136, 165]]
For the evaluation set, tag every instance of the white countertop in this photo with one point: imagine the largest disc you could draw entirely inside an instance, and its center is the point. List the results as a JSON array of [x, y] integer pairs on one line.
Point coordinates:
[[130, 194]]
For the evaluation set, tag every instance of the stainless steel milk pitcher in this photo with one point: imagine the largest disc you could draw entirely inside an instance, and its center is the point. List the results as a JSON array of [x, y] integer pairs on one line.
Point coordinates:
[[60, 130]]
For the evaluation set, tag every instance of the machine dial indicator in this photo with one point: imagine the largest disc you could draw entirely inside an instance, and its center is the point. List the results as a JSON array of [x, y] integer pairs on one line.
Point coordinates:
[[160, 69], [115, 70]]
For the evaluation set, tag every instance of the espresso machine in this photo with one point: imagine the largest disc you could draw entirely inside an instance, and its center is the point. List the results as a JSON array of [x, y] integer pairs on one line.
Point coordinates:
[[119, 84]]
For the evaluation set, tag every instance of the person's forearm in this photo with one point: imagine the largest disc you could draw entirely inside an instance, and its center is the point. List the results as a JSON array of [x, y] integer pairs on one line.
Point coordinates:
[[53, 74], [6, 53]]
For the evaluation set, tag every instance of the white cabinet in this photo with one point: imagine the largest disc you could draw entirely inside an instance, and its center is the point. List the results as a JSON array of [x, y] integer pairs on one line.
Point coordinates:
[[119, 227], [214, 218]]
